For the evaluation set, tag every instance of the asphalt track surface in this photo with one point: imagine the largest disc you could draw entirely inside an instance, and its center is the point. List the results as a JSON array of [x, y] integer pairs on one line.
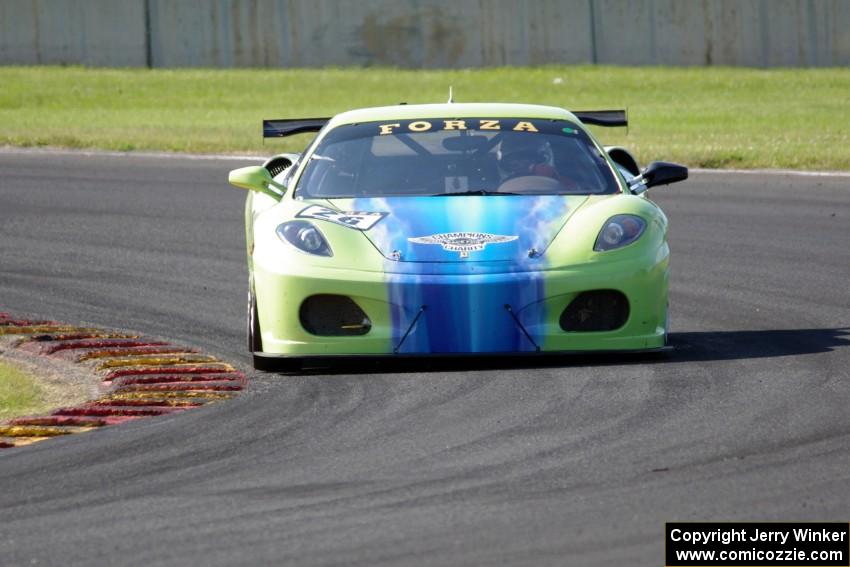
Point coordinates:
[[557, 462]]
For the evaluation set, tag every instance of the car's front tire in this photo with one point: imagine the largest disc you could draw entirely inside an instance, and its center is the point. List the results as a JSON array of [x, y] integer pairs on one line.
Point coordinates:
[[275, 364], [255, 341]]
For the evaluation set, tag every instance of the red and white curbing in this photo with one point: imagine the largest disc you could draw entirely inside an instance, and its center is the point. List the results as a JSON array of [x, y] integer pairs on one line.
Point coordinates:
[[140, 377]]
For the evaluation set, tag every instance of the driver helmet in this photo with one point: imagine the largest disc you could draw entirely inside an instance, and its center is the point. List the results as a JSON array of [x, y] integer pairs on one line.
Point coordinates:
[[520, 153]]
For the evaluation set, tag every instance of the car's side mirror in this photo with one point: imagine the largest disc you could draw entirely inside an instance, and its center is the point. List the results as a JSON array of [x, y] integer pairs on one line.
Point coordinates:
[[256, 178], [658, 173]]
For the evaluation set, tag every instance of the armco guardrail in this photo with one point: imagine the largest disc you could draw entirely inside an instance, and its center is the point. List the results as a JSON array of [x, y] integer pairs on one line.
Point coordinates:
[[424, 33]]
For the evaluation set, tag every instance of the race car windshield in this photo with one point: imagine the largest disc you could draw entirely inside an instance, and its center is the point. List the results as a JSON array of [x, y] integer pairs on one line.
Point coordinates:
[[444, 157]]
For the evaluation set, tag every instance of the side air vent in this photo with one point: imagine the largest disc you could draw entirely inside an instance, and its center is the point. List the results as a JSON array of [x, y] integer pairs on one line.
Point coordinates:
[[598, 310], [277, 165], [333, 316], [623, 157]]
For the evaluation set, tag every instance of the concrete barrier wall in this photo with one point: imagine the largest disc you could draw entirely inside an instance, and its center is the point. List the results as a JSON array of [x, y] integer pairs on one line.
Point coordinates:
[[87, 32], [424, 33]]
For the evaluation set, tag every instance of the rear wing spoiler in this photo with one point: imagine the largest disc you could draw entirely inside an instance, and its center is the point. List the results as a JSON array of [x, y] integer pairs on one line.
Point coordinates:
[[609, 118], [291, 126], [283, 127]]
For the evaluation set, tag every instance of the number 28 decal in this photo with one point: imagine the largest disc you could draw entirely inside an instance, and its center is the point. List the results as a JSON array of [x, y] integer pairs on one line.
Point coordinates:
[[358, 220]]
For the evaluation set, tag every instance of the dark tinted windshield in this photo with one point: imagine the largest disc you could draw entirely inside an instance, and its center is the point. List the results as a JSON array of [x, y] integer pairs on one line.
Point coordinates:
[[455, 156]]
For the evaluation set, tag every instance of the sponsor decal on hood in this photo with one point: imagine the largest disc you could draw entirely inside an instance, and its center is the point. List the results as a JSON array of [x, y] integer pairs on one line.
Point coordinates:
[[463, 242]]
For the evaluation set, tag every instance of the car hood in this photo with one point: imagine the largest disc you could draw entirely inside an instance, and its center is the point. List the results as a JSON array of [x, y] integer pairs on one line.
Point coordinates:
[[471, 228]]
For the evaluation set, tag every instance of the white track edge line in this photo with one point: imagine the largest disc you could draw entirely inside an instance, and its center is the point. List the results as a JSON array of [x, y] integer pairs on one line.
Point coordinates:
[[209, 157], [801, 173], [10, 150]]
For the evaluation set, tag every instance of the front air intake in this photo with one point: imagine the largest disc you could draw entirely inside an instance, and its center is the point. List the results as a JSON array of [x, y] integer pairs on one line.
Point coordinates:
[[599, 310], [333, 316]]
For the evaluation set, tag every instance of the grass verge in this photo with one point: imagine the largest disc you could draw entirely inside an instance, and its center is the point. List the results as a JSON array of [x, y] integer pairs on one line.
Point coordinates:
[[703, 117], [19, 394]]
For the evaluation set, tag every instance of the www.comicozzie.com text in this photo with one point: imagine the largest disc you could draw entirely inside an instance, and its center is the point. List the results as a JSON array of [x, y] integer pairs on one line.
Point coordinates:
[[726, 536]]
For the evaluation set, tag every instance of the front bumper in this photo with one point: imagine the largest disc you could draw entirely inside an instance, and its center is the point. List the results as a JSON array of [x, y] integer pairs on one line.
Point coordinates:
[[464, 314]]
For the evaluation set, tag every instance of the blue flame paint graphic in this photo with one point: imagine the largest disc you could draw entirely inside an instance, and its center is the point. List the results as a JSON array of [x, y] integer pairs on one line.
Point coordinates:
[[465, 297]]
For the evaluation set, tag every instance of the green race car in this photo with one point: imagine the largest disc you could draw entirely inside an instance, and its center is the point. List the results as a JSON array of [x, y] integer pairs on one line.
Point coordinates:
[[454, 229]]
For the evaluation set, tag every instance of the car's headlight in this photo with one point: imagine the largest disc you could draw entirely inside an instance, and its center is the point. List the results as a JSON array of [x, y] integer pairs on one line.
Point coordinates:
[[304, 236], [619, 231]]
